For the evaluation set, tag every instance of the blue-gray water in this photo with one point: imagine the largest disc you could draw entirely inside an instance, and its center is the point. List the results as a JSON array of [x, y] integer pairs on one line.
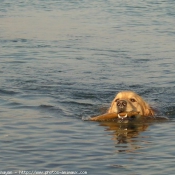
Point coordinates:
[[64, 60]]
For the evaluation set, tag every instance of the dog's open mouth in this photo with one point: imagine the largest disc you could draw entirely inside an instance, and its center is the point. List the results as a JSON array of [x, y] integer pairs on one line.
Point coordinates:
[[122, 116], [125, 115]]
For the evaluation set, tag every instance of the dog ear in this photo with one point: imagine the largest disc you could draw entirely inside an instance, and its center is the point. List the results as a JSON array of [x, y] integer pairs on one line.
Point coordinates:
[[149, 112], [112, 107]]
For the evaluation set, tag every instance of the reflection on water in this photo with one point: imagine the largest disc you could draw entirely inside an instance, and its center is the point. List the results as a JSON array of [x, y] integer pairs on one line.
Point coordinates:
[[126, 135]]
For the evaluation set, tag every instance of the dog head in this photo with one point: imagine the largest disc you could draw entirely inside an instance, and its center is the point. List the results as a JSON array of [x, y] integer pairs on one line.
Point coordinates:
[[128, 101]]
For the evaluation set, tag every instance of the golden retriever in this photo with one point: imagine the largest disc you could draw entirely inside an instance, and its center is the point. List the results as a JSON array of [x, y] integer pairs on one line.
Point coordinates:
[[129, 101]]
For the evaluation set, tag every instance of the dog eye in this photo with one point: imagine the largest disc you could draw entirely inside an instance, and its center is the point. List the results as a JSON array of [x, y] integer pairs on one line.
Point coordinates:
[[133, 100]]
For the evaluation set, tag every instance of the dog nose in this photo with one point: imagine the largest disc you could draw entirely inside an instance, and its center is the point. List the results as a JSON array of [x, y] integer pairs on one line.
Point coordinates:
[[121, 104]]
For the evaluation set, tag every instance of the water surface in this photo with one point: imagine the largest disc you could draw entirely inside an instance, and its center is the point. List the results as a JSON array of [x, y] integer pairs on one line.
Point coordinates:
[[64, 60]]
